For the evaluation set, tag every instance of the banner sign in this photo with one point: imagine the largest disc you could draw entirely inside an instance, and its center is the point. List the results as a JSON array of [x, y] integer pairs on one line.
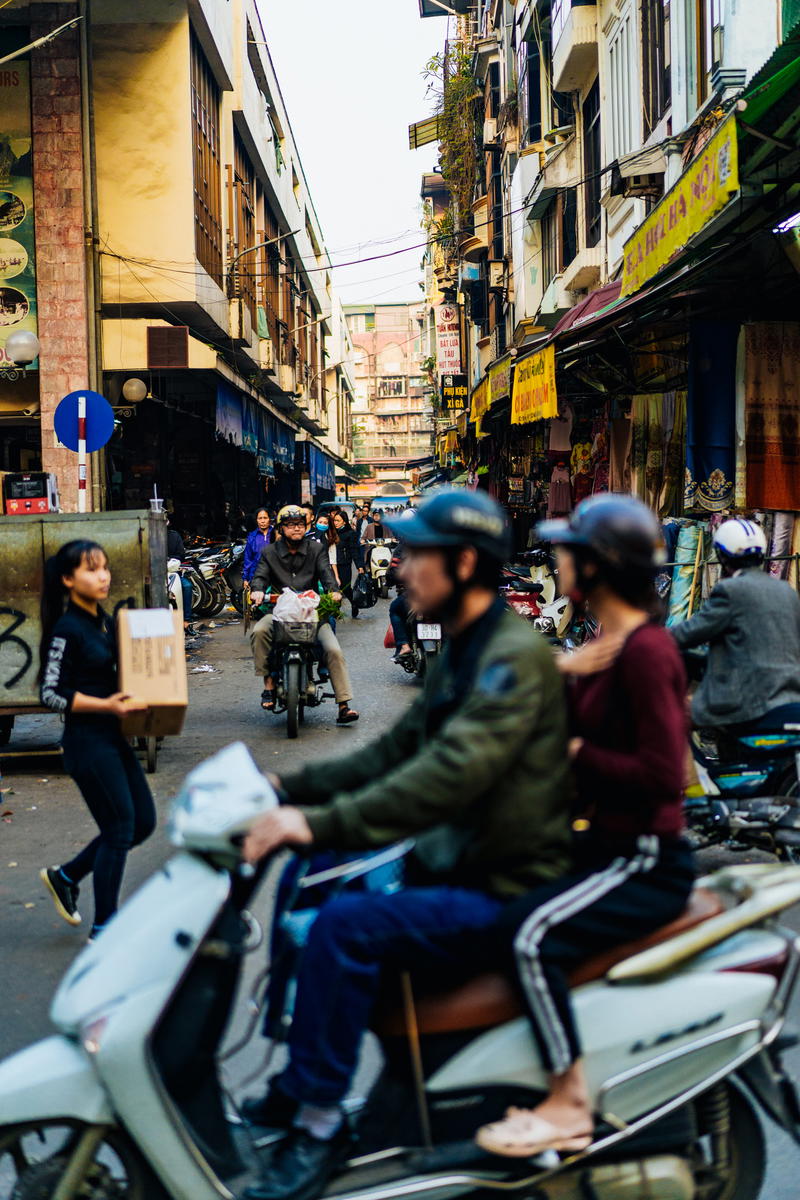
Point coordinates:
[[480, 400], [702, 191], [455, 393], [499, 380], [448, 340], [17, 251], [534, 396]]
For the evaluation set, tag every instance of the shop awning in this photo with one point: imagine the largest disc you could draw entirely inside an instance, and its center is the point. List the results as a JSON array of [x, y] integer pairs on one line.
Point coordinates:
[[422, 133]]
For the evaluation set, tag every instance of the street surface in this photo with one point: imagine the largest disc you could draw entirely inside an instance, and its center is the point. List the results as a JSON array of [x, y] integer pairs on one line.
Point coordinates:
[[44, 821]]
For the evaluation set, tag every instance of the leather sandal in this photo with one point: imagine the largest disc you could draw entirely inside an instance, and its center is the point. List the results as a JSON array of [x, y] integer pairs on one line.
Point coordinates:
[[346, 716], [521, 1134], [268, 700]]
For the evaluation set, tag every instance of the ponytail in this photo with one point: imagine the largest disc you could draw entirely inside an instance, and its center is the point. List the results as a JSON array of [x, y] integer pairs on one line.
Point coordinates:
[[63, 562]]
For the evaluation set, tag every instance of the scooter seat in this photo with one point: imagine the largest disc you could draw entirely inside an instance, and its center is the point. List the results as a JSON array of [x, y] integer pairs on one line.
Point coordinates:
[[491, 999]]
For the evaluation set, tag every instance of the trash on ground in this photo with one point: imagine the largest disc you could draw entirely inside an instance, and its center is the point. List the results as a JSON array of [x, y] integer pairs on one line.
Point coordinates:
[[204, 668]]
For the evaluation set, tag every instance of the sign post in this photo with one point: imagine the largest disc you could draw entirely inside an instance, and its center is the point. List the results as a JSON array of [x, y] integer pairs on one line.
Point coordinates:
[[84, 422]]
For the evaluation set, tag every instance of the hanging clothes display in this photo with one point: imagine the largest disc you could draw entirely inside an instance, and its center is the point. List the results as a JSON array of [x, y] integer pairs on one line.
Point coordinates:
[[688, 559], [647, 449], [559, 501], [672, 483], [772, 387], [619, 466], [561, 431], [711, 415]]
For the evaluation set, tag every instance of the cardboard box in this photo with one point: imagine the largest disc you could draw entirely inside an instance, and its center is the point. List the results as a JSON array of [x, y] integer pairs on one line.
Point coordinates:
[[152, 667]]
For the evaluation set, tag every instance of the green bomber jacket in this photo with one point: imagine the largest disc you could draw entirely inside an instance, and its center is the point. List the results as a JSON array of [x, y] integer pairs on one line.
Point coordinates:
[[493, 772]]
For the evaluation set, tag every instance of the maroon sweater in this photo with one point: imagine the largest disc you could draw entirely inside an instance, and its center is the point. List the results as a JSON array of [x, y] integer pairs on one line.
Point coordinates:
[[630, 770]]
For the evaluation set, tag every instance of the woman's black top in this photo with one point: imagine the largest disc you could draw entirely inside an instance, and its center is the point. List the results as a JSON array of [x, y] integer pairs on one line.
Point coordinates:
[[81, 657], [345, 553]]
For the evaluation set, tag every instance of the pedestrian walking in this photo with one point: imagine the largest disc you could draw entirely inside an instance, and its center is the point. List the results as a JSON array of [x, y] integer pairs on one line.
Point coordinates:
[[347, 553], [263, 535], [79, 680]]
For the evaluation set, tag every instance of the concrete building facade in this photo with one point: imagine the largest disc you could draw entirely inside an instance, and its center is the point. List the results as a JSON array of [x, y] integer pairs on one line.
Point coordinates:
[[392, 417], [178, 247]]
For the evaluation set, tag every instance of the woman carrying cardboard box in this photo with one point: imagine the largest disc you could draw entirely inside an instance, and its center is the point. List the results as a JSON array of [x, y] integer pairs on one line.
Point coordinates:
[[78, 678]]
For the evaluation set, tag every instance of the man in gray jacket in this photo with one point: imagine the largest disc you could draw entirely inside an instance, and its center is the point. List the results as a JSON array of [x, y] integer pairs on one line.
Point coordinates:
[[751, 622]]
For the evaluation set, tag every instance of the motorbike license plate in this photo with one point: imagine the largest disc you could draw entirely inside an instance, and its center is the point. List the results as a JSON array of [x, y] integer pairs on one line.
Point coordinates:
[[429, 633]]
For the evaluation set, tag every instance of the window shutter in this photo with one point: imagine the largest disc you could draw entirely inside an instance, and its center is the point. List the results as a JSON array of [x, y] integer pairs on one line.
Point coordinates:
[[167, 346]]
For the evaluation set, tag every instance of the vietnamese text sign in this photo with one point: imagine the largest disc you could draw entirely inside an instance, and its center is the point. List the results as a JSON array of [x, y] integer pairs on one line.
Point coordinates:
[[534, 396], [17, 260], [455, 393], [480, 400], [448, 340], [702, 191], [499, 380]]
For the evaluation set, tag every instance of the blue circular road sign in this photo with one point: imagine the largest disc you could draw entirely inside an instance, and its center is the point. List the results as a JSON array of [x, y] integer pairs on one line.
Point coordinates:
[[99, 420]]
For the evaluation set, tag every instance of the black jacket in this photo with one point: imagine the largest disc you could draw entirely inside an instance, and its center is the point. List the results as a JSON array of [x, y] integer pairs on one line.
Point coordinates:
[[309, 565], [81, 657], [347, 552]]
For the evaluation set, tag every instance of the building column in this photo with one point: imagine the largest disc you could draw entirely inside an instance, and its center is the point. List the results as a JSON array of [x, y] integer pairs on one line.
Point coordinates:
[[58, 182]]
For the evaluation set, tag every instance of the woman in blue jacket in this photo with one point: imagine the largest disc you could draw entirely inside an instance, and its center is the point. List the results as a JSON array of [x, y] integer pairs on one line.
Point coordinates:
[[261, 536]]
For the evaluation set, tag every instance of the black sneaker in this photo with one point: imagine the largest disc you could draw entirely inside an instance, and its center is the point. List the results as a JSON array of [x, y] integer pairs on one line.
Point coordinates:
[[301, 1167], [65, 895], [273, 1110]]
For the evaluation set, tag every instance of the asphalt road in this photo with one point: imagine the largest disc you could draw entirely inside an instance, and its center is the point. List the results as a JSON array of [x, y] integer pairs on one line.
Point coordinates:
[[43, 821]]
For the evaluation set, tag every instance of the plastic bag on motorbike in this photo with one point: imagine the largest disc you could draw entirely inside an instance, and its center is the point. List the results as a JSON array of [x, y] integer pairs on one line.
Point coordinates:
[[364, 594], [296, 606]]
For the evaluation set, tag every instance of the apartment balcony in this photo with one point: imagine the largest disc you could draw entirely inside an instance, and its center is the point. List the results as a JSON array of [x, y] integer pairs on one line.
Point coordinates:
[[574, 44], [477, 240], [585, 269]]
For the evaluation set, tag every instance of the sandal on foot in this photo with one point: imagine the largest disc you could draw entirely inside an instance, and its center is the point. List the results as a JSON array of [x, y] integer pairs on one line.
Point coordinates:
[[521, 1134], [268, 700], [346, 716]]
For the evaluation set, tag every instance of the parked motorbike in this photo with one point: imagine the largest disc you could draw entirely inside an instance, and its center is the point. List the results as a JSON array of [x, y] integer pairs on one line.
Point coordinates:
[[174, 589], [747, 795], [234, 580], [683, 1033]]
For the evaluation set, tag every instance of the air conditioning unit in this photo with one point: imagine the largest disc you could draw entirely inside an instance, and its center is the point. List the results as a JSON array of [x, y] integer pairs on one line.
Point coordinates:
[[167, 347], [497, 275], [490, 131], [286, 378], [645, 185]]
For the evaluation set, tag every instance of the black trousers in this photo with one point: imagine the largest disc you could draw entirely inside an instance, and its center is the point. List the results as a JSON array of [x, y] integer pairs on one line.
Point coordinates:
[[608, 900], [113, 784]]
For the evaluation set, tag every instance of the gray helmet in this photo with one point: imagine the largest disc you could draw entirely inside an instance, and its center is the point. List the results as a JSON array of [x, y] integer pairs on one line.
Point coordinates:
[[455, 517], [618, 530]]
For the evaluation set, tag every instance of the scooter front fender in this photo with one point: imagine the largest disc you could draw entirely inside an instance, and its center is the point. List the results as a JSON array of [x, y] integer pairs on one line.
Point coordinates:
[[49, 1080]]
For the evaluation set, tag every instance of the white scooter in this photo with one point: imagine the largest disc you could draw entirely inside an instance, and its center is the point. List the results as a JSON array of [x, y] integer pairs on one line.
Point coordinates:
[[379, 561], [683, 1039]]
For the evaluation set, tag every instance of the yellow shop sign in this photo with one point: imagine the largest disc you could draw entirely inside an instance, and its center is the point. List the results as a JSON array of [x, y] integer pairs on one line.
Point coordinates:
[[480, 400], [701, 192], [534, 395]]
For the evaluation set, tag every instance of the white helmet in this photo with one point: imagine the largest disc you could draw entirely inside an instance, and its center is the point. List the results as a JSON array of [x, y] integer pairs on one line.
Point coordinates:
[[741, 539]]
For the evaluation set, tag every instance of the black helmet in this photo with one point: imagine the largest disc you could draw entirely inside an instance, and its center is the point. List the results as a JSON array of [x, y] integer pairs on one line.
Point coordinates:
[[454, 517], [618, 530]]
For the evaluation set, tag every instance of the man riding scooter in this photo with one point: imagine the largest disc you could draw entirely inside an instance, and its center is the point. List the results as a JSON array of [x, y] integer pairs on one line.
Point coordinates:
[[478, 764], [751, 622], [299, 563]]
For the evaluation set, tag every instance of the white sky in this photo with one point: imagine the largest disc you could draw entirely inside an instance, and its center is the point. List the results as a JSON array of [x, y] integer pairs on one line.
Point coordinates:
[[351, 76]]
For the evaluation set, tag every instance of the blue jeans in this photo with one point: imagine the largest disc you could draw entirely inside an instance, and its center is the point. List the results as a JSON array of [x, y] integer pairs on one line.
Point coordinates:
[[398, 617], [186, 588], [352, 939]]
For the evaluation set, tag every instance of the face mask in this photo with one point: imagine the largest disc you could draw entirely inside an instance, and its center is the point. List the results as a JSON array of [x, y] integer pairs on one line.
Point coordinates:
[[322, 528]]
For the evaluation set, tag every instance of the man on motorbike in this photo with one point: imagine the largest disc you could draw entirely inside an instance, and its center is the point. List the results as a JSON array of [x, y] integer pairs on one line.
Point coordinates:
[[478, 764], [299, 563], [751, 622]]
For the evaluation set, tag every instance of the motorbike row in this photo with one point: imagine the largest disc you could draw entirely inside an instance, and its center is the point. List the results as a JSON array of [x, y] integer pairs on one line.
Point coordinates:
[[684, 1035]]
